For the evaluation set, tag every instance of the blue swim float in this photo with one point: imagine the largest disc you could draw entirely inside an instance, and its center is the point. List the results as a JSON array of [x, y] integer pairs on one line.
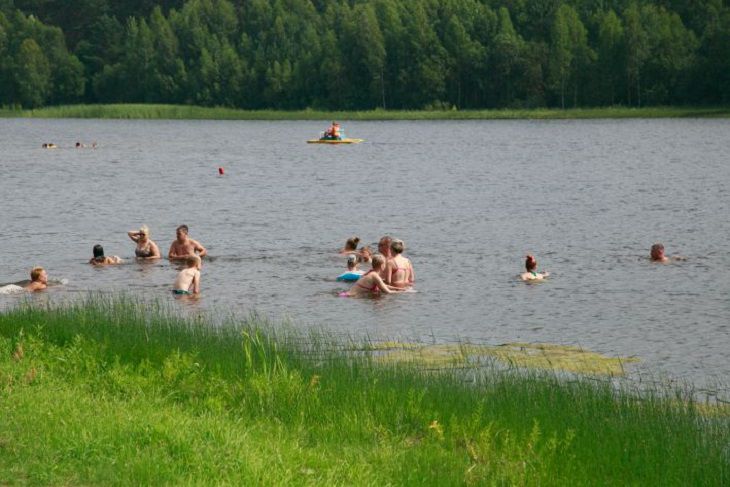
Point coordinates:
[[350, 276]]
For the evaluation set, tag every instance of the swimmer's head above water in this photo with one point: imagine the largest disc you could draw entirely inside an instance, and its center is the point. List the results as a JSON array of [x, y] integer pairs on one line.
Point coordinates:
[[657, 253], [397, 246], [351, 243], [98, 253], [530, 263]]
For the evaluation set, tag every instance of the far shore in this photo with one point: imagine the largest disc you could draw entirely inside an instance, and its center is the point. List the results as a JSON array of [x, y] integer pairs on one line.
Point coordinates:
[[190, 112]]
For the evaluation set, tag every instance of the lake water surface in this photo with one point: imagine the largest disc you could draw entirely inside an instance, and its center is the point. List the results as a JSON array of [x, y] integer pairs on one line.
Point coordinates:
[[470, 199]]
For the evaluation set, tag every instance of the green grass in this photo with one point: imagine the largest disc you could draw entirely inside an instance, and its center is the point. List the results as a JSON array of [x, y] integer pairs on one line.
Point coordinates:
[[186, 112], [118, 391]]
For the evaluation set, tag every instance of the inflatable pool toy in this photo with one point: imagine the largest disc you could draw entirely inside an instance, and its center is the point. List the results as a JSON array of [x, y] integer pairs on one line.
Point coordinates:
[[350, 276], [335, 141]]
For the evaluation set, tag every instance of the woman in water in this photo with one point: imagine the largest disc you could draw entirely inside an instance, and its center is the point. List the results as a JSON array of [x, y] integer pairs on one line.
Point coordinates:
[[371, 282], [146, 248], [100, 259], [350, 246], [532, 274], [399, 270]]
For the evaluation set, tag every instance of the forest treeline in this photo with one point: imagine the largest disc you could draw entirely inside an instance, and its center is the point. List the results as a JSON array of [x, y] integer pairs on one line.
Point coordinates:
[[364, 54]]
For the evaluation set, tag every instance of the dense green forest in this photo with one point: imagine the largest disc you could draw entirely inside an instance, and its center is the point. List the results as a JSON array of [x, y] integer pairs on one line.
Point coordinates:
[[363, 54]]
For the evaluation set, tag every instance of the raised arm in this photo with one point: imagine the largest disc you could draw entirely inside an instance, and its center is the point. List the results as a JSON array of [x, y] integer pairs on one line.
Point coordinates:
[[202, 252], [134, 235]]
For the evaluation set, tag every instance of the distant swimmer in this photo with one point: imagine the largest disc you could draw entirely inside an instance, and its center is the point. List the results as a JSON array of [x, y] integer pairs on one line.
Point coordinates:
[[79, 145], [656, 254], [38, 280], [350, 245], [371, 283], [49, 146], [146, 248], [101, 259], [187, 281], [185, 246], [532, 274], [399, 270]]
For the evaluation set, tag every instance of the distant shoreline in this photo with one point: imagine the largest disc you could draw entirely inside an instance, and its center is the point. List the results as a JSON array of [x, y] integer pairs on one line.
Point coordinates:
[[189, 112]]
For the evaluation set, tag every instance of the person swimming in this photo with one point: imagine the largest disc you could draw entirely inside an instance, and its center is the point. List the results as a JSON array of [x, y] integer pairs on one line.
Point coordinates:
[[656, 254], [532, 274], [187, 281], [38, 280], [371, 283], [399, 270], [146, 248], [100, 259]]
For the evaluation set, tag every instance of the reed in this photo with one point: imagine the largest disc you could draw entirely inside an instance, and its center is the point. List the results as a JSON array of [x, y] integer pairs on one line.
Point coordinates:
[[117, 390], [187, 112]]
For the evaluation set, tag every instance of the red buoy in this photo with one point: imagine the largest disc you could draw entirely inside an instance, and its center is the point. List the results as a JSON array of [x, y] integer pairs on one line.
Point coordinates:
[[220, 171]]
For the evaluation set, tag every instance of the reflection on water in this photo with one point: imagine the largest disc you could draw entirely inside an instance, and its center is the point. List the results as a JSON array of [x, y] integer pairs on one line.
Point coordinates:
[[470, 199]]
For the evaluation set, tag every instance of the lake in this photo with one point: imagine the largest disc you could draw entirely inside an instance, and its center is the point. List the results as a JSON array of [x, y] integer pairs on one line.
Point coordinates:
[[469, 198]]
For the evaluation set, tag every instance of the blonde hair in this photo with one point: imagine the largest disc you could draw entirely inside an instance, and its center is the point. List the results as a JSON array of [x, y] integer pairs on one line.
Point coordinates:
[[378, 261], [397, 246], [145, 229], [192, 260], [35, 273]]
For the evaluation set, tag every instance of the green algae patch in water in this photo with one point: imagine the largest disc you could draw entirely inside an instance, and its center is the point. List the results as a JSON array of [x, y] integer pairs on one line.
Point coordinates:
[[525, 355]]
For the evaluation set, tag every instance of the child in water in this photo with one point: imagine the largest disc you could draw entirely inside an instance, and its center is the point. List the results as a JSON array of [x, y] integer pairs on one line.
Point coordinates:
[[371, 282], [531, 274], [187, 281], [353, 273]]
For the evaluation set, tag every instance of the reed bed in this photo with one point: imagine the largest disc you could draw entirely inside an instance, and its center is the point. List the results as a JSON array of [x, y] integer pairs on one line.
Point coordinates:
[[117, 390], [187, 112]]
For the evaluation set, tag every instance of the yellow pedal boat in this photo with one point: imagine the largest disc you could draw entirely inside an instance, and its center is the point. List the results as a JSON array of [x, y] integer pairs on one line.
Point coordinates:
[[335, 141]]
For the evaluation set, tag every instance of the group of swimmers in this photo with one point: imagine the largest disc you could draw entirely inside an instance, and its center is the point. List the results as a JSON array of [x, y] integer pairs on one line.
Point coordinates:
[[79, 145], [391, 272], [183, 249]]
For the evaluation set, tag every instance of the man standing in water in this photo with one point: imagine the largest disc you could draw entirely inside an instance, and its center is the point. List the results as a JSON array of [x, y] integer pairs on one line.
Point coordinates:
[[185, 246]]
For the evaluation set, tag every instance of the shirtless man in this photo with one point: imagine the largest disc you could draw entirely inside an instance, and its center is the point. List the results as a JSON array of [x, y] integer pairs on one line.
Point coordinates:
[[38, 280], [187, 281], [185, 246]]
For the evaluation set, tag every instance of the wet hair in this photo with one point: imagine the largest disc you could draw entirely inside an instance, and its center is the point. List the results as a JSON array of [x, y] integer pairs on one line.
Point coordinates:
[[378, 261], [397, 246], [35, 273], [530, 263], [351, 243], [98, 252], [192, 260], [656, 250], [183, 227]]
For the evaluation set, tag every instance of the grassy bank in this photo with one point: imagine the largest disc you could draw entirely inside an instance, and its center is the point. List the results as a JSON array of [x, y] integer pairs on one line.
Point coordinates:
[[114, 391], [186, 112]]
